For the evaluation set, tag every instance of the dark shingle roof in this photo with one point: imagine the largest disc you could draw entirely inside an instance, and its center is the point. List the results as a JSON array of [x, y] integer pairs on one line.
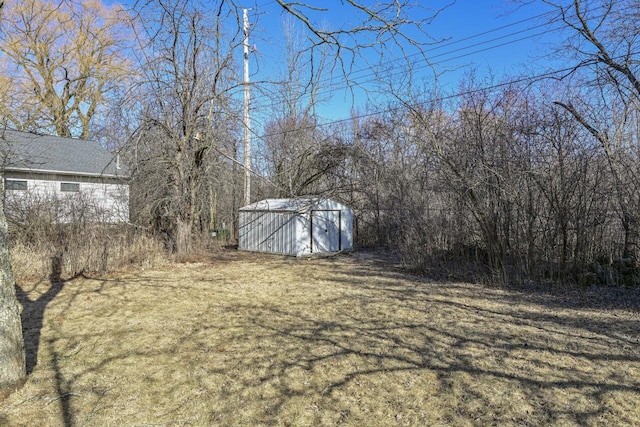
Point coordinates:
[[55, 154]]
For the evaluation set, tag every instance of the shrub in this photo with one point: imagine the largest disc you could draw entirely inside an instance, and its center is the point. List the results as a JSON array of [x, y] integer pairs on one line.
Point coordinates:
[[46, 243]]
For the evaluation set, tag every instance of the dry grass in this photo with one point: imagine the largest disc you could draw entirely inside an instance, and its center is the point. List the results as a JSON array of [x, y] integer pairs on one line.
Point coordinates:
[[243, 339], [69, 249]]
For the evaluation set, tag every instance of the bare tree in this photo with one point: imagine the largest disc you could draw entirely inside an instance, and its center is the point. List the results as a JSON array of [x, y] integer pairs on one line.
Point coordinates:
[[60, 62], [12, 352], [606, 43], [186, 90], [298, 152], [185, 116]]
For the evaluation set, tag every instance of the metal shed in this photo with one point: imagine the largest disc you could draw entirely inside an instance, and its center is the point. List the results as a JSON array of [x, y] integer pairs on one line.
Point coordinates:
[[295, 227]]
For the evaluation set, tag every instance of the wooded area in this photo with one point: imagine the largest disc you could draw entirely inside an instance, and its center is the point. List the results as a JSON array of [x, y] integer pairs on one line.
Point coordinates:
[[526, 178], [533, 177]]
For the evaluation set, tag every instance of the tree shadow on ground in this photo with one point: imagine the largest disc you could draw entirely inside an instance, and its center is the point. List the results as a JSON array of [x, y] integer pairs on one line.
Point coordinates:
[[545, 293], [282, 341], [32, 315], [474, 347], [33, 311]]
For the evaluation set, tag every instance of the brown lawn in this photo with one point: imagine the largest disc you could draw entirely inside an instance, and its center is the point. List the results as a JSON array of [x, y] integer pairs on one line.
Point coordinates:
[[245, 339]]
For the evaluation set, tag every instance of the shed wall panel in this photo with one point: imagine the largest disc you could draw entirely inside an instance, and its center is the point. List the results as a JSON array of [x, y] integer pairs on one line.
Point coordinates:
[[273, 232], [346, 228], [325, 231], [285, 226], [303, 229]]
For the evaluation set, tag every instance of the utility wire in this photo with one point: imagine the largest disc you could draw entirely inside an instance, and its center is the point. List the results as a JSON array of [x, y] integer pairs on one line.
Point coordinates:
[[455, 42], [339, 84], [375, 77], [447, 97], [442, 54], [262, 106], [540, 76]]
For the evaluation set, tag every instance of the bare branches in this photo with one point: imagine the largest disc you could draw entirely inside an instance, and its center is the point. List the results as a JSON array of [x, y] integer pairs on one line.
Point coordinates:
[[603, 54], [386, 28], [601, 137], [609, 96], [62, 61], [184, 115]]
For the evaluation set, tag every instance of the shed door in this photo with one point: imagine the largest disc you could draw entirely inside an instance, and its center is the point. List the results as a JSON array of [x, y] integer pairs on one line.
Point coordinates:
[[325, 231]]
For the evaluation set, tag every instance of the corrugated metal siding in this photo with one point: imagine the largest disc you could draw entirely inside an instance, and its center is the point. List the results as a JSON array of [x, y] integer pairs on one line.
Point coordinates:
[[284, 226], [303, 240], [325, 231], [273, 232]]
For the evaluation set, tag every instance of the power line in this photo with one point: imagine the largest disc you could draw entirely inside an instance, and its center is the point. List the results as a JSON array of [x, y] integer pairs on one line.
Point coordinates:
[[375, 77], [338, 85], [459, 49], [261, 106], [544, 75], [458, 41]]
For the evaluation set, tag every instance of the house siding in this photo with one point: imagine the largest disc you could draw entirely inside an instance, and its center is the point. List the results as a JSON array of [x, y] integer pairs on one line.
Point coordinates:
[[104, 200]]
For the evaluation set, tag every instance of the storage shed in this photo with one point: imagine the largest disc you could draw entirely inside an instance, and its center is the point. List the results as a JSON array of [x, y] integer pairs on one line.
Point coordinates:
[[295, 227]]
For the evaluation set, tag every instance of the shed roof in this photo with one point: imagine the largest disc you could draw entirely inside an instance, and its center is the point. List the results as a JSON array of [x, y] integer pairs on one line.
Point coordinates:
[[32, 152], [299, 205]]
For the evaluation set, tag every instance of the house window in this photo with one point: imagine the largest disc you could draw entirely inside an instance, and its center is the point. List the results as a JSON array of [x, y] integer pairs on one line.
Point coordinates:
[[73, 187], [13, 184]]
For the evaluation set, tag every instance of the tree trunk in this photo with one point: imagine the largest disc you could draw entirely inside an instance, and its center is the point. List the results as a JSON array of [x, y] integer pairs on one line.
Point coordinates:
[[184, 236], [631, 236], [12, 354]]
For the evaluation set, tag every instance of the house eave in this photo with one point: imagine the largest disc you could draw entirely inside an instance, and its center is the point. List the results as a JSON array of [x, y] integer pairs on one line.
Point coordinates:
[[67, 173]]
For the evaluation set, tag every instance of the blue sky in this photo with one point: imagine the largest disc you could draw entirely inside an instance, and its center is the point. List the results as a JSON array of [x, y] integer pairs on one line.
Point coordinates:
[[494, 37], [491, 36]]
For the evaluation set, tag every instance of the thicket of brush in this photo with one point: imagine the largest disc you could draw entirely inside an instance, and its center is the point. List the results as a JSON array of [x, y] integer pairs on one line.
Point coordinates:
[[55, 237], [500, 187]]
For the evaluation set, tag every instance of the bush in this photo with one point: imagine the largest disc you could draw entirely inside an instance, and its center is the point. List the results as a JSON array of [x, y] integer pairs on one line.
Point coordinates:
[[44, 246]]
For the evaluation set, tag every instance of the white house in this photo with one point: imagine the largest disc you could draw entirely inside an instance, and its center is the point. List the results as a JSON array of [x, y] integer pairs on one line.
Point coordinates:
[[295, 227], [80, 176]]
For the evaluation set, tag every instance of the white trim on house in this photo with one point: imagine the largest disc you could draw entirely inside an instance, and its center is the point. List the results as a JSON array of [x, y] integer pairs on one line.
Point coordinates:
[[66, 173]]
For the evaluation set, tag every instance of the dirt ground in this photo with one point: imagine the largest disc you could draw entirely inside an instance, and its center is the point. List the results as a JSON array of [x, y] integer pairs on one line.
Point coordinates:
[[247, 339]]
